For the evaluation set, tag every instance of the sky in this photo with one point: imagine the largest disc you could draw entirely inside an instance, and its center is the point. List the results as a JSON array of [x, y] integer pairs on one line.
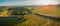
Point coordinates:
[[27, 2]]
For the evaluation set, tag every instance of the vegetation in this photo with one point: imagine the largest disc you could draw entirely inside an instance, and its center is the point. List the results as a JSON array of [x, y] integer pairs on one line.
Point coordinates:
[[33, 20]]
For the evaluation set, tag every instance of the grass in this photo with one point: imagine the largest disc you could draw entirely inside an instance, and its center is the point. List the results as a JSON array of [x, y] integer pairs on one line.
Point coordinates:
[[33, 20]]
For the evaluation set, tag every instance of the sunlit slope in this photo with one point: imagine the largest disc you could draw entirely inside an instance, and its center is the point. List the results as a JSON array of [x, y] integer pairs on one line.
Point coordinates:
[[4, 12], [48, 9], [33, 20]]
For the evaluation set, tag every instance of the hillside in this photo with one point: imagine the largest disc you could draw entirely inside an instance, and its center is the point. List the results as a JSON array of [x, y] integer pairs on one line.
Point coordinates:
[[48, 9], [33, 20]]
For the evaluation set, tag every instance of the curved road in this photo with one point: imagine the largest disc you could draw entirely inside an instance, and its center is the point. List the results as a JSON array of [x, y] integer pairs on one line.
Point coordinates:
[[49, 17]]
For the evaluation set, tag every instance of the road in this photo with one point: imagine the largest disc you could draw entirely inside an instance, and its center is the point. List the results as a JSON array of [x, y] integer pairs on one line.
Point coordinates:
[[49, 17]]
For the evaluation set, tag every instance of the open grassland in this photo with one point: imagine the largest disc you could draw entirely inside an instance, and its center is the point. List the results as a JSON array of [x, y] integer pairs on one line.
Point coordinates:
[[51, 10], [33, 20]]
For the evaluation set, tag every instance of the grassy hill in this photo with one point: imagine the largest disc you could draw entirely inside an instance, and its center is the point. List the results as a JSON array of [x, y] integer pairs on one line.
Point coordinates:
[[49, 9], [33, 20]]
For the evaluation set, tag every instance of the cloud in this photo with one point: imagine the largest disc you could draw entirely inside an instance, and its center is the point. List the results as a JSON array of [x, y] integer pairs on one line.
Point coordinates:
[[43, 2], [9, 3], [29, 2]]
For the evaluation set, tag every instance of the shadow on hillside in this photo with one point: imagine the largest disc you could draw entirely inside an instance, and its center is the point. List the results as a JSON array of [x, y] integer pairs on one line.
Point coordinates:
[[10, 21]]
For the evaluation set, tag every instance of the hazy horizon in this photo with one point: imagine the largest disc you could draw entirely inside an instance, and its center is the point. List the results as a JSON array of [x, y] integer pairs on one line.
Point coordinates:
[[27, 2]]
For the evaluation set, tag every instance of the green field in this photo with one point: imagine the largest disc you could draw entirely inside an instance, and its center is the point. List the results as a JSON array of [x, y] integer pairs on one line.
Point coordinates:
[[33, 20]]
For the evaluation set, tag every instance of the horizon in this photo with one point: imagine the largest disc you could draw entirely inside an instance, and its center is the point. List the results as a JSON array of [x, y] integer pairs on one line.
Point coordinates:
[[28, 2]]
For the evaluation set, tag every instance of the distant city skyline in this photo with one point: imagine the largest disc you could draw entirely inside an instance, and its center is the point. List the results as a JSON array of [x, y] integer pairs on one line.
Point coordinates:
[[27, 2]]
